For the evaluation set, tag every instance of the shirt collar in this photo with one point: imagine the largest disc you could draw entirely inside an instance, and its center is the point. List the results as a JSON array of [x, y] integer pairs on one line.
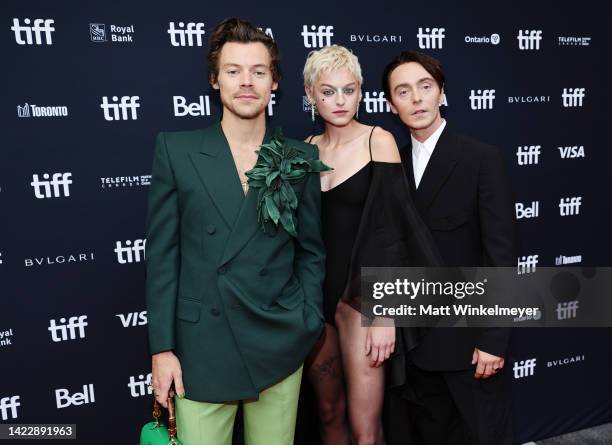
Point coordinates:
[[430, 143]]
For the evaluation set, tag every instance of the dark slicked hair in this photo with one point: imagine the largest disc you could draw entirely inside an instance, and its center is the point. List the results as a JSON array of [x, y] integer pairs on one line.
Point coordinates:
[[430, 64], [237, 30]]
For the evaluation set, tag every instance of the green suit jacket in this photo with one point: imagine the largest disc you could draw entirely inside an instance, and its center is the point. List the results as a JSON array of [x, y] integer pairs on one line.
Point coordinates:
[[241, 308]]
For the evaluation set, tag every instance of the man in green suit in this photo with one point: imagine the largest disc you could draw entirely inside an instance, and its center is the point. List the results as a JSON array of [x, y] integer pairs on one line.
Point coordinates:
[[233, 309]]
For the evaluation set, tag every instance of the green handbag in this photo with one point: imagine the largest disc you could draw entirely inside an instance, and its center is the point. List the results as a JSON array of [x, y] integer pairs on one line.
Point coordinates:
[[156, 433]]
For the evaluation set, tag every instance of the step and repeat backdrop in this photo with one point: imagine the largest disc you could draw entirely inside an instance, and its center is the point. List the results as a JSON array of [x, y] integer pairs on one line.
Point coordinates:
[[87, 85]]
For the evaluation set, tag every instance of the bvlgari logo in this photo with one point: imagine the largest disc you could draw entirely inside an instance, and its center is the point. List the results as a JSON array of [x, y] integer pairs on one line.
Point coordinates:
[[375, 38], [59, 259], [565, 361]]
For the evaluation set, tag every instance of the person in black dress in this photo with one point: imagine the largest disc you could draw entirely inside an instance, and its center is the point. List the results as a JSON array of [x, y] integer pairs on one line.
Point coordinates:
[[365, 223]]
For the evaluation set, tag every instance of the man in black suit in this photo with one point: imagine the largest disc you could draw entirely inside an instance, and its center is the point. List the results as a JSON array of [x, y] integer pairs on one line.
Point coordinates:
[[462, 192]]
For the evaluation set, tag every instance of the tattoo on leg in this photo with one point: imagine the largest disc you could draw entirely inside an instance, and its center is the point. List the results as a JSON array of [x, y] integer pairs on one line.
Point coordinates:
[[326, 369]]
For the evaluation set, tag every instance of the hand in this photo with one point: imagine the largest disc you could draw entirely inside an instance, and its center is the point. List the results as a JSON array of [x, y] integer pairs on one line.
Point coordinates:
[[166, 369], [380, 343], [487, 364]]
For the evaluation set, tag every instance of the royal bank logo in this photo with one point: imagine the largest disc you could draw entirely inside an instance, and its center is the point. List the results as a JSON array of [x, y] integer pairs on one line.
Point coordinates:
[[133, 319], [527, 211], [6, 337], [317, 36], [56, 185], [527, 264], [493, 39], [574, 41], [431, 38], [562, 260], [125, 181], [528, 99], [68, 328], [139, 386], [124, 108], [567, 310], [528, 154], [37, 33], [306, 105], [376, 102], [575, 151], [199, 108], [8, 407], [572, 97], [482, 99], [565, 361], [375, 38], [524, 368], [132, 252], [118, 34], [570, 206], [59, 259], [64, 399], [27, 110], [529, 39], [186, 34]]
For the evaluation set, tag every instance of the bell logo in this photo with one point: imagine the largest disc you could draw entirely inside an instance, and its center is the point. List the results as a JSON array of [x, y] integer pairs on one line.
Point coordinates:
[[51, 188], [318, 37], [68, 330], [482, 99], [185, 33], [572, 97], [132, 252], [40, 26], [140, 388], [523, 211], [528, 40], [200, 108], [8, 407], [431, 39], [111, 110], [524, 368], [63, 399]]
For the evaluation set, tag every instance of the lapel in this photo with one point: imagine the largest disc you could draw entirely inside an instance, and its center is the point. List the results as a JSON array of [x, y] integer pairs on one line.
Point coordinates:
[[439, 167], [217, 171], [406, 155]]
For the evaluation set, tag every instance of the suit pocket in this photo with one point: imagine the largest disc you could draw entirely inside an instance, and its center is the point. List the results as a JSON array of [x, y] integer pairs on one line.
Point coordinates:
[[450, 222], [291, 298], [188, 310]]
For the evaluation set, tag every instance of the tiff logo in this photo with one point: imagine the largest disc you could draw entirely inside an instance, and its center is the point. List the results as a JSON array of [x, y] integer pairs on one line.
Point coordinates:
[[271, 104], [140, 388], [9, 404], [68, 331], [482, 99], [528, 40], [527, 264], [132, 252], [431, 39], [567, 309], [40, 26], [133, 319], [51, 188], [318, 37], [570, 206], [571, 152], [63, 399], [111, 110], [523, 211], [524, 368], [186, 34], [376, 103], [528, 155], [572, 97]]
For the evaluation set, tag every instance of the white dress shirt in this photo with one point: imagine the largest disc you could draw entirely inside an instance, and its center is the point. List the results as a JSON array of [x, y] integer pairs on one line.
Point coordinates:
[[421, 152]]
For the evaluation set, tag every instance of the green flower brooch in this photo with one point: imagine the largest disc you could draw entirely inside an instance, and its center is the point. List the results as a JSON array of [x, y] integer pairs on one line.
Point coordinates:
[[278, 166]]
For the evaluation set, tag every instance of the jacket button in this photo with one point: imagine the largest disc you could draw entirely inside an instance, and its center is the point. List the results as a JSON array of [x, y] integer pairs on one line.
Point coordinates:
[[211, 229], [215, 312], [263, 272], [222, 270]]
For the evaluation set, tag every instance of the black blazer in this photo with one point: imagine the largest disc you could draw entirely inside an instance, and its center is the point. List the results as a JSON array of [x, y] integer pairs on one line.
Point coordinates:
[[465, 199]]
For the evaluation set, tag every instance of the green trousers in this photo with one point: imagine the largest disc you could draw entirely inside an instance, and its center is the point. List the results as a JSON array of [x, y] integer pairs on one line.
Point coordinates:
[[267, 421]]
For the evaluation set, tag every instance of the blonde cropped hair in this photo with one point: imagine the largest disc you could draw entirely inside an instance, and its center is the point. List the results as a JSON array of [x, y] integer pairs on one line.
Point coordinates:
[[330, 58]]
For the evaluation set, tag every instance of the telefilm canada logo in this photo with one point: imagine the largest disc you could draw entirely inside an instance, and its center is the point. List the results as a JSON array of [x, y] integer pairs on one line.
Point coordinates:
[[574, 41], [33, 110], [116, 34], [113, 182]]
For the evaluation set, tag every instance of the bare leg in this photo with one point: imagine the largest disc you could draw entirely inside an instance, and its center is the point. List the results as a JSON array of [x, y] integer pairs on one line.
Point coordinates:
[[365, 384], [324, 370]]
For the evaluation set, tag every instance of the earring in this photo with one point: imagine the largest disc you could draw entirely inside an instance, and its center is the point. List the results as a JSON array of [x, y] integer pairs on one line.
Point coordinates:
[[312, 111]]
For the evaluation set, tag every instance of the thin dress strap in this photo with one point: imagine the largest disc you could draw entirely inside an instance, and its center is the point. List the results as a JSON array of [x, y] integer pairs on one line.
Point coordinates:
[[370, 142], [311, 138]]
